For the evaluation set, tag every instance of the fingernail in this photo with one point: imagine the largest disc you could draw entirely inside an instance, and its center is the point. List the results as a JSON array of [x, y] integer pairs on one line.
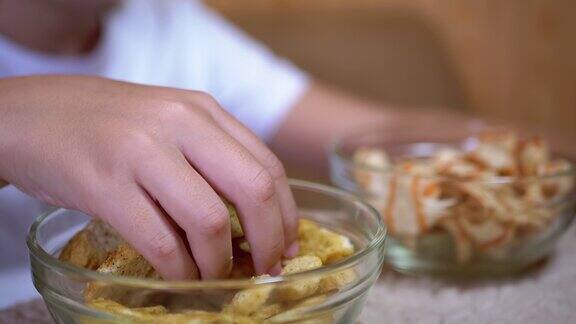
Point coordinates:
[[292, 250], [276, 269]]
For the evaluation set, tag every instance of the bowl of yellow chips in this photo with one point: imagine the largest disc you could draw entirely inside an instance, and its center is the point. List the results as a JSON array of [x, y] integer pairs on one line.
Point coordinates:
[[86, 273], [490, 204]]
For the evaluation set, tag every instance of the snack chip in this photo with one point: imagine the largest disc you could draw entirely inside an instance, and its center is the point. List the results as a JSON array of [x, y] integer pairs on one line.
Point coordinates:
[[235, 226], [329, 246], [371, 158], [301, 288], [294, 314], [268, 311], [336, 281], [124, 261], [244, 246], [159, 314], [90, 246], [250, 301], [532, 154]]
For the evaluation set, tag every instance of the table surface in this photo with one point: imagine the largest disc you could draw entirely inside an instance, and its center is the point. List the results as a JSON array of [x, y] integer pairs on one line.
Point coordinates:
[[545, 294]]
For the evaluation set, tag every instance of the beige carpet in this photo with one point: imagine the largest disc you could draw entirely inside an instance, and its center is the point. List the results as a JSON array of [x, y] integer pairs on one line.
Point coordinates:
[[546, 294]]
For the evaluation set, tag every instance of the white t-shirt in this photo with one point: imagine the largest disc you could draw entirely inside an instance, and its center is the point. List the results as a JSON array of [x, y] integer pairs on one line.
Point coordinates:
[[177, 43]]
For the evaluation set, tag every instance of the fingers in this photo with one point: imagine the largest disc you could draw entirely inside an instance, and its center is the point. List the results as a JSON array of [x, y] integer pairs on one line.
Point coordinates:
[[234, 172], [141, 223], [194, 206], [267, 158]]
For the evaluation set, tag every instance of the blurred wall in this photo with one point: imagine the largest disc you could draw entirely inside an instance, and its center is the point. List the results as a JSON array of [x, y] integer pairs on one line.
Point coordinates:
[[516, 59], [506, 59], [385, 54]]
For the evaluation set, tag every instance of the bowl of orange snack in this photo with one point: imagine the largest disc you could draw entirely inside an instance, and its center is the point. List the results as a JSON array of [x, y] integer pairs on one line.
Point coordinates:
[[490, 204], [86, 273]]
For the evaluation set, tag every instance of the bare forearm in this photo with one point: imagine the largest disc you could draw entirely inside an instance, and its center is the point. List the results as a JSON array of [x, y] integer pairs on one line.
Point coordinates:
[[325, 114]]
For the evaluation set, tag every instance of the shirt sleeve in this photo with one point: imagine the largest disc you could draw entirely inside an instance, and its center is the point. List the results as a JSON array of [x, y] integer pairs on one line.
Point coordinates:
[[246, 78]]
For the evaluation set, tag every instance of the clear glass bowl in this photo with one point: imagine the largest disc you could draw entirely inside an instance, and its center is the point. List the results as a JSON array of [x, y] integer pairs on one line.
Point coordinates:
[[62, 285], [436, 251]]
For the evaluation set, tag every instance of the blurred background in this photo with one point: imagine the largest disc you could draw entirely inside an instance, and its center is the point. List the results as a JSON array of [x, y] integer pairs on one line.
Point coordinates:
[[508, 60]]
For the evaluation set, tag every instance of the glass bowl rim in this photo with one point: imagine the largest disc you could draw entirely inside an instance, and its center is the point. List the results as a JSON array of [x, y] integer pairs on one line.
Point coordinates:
[[52, 263], [336, 151]]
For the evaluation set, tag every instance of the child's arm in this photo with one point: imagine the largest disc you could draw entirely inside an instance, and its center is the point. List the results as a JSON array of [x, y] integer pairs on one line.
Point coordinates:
[[323, 114]]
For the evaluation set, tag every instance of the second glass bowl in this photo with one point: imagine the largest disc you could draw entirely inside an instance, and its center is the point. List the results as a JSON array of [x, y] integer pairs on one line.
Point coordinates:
[[469, 242]]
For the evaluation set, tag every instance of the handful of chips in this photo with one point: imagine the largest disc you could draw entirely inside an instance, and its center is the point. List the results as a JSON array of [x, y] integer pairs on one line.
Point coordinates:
[[501, 191], [98, 247]]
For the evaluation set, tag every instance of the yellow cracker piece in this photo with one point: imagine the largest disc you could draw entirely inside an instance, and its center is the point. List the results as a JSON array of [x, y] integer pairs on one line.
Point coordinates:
[[301, 264], [249, 301], [300, 288], [124, 261], [294, 313], [152, 310], [81, 251], [323, 243], [90, 246], [268, 311], [235, 226], [140, 313], [202, 317], [244, 246], [337, 281], [158, 314]]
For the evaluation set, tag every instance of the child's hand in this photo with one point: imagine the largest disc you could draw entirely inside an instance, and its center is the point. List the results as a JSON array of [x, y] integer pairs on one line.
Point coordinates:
[[149, 161]]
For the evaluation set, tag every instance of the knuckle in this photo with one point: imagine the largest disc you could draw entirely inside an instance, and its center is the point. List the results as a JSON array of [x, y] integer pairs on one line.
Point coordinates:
[[134, 144], [200, 117], [275, 167], [205, 100], [214, 220], [164, 246], [205, 117], [172, 111], [261, 186]]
